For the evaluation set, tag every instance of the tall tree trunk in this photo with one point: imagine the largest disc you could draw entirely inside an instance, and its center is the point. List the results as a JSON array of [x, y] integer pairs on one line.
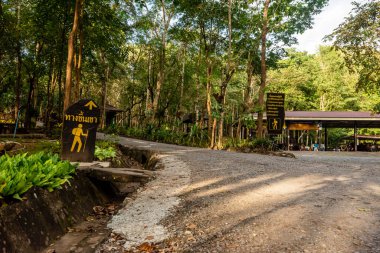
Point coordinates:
[[161, 73], [208, 105], [78, 59], [35, 91], [263, 80], [61, 59], [29, 109], [148, 105], [238, 130], [213, 133], [220, 129], [229, 73], [197, 84], [33, 81], [182, 78], [19, 61], [70, 55], [249, 86], [48, 93], [51, 101], [104, 79], [104, 102]]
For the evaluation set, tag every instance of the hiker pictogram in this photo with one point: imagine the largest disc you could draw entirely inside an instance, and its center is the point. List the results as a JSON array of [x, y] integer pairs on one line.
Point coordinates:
[[78, 132], [275, 124]]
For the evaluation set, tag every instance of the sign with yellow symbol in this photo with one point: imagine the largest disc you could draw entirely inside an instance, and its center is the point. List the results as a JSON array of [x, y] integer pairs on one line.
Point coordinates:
[[275, 112], [80, 123], [7, 118]]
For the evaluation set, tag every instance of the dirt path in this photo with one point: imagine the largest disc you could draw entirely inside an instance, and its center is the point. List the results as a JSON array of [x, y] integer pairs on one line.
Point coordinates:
[[234, 202]]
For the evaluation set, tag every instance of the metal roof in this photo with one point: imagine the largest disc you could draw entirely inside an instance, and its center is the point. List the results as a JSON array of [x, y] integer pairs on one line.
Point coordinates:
[[110, 108], [364, 137], [331, 115], [335, 119]]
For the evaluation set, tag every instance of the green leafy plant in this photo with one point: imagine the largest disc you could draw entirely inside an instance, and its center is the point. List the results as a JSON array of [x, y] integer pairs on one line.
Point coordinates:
[[21, 172], [261, 144], [103, 153], [48, 146]]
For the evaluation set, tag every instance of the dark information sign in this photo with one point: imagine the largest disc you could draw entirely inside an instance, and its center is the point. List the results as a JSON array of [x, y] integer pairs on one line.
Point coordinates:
[[79, 131], [275, 112], [7, 118]]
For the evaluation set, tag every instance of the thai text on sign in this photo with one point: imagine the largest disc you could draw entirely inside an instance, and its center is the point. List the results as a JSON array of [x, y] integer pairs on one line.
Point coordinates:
[[80, 123], [7, 118], [275, 112]]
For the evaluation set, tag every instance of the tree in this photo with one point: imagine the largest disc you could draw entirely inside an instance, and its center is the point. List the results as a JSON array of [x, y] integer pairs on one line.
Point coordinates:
[[70, 53], [321, 81], [358, 37], [281, 20]]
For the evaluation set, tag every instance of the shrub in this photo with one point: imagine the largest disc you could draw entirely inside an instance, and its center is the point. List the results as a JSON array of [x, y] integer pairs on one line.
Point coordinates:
[[48, 146], [21, 172], [105, 153], [261, 144]]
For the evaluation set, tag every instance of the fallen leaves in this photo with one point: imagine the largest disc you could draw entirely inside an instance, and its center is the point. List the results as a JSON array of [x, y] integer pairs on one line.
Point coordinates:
[[149, 237], [146, 247], [191, 226], [364, 209], [104, 210]]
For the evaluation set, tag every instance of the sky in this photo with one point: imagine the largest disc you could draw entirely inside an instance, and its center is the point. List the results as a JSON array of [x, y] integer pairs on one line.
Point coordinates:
[[324, 23]]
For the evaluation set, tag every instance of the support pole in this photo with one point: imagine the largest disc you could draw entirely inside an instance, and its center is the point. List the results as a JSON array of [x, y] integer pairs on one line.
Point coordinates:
[[326, 139], [16, 125], [288, 135], [355, 137]]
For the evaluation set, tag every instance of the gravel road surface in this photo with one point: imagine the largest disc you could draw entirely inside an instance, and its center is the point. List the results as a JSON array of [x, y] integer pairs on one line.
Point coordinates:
[[235, 202]]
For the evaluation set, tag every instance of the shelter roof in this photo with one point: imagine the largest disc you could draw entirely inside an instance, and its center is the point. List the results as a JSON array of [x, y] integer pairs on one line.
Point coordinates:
[[335, 119], [110, 108], [331, 115], [364, 137]]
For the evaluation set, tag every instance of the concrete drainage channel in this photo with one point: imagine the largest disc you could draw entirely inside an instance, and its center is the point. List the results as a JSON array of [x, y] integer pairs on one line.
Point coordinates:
[[121, 184], [138, 222], [75, 218]]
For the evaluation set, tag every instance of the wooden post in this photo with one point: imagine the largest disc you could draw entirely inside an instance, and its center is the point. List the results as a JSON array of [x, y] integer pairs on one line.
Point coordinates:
[[355, 137], [288, 135]]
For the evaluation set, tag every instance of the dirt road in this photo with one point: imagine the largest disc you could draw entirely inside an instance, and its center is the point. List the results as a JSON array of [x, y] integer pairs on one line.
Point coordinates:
[[234, 202]]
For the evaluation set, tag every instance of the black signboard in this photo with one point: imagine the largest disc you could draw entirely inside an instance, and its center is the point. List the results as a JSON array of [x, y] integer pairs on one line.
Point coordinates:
[[275, 112], [79, 131], [7, 118]]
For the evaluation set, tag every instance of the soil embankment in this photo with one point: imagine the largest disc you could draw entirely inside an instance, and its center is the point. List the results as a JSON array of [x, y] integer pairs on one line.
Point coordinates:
[[36, 224], [33, 224]]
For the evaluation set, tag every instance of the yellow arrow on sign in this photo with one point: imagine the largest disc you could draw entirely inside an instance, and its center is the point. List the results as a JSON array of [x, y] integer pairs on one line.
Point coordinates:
[[90, 105]]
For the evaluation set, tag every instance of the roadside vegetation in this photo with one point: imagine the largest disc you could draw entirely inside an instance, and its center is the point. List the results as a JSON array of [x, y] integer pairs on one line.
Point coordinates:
[[105, 149], [21, 172]]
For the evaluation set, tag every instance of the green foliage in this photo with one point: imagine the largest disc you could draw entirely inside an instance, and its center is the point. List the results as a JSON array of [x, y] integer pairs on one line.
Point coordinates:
[[261, 144], [319, 82], [358, 38], [194, 137], [233, 143], [47, 146], [105, 153], [21, 172], [106, 149]]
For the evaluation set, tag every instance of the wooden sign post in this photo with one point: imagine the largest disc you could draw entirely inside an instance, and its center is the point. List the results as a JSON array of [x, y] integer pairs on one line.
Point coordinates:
[[80, 123], [275, 112]]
